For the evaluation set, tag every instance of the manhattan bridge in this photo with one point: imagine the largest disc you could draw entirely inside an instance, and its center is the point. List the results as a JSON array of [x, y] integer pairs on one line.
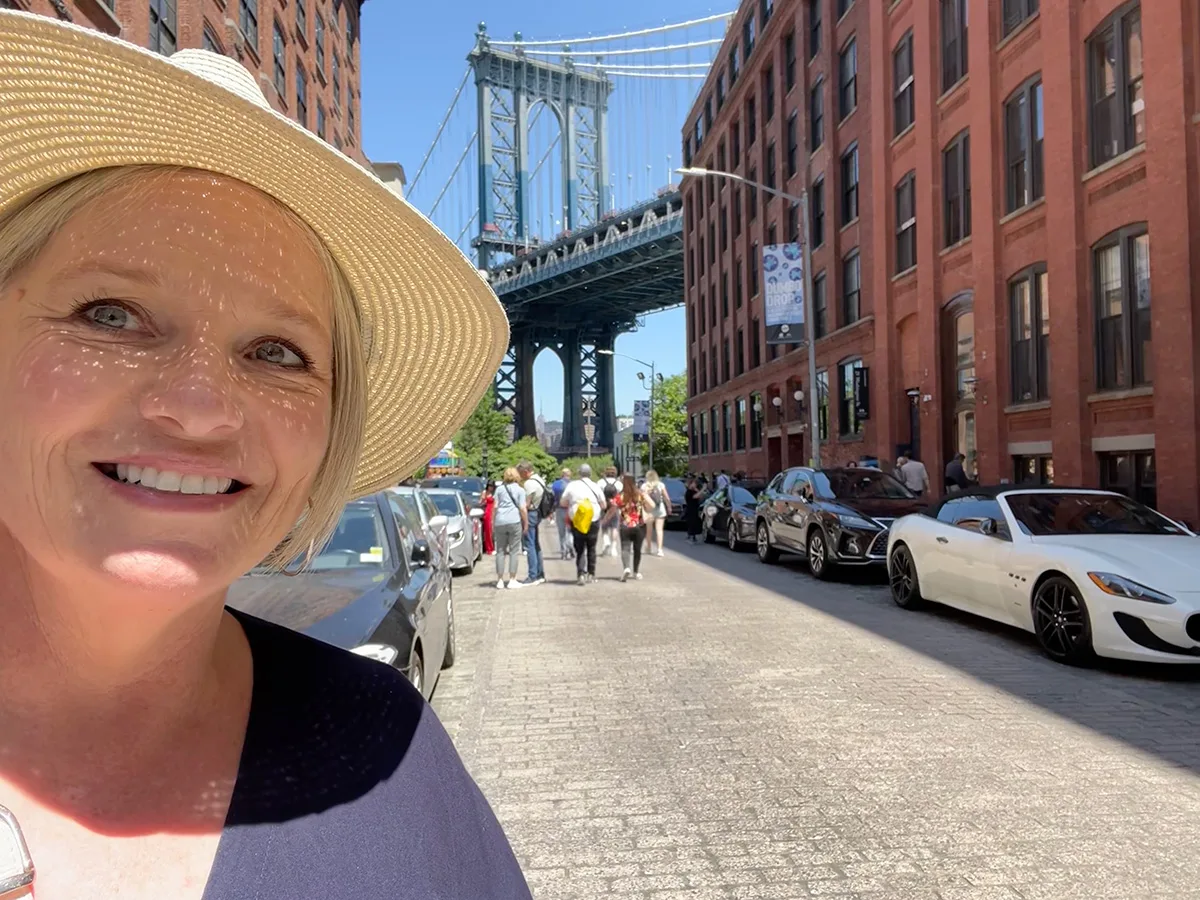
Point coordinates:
[[553, 168]]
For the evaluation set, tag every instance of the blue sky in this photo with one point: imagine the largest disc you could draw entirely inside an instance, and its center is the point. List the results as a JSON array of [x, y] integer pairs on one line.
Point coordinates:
[[413, 57]]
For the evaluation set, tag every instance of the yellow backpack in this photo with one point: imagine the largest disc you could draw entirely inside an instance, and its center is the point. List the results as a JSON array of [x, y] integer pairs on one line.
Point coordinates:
[[584, 513]]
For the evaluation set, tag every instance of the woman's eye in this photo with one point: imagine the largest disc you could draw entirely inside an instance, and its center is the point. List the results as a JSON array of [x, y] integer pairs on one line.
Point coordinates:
[[108, 315], [279, 354]]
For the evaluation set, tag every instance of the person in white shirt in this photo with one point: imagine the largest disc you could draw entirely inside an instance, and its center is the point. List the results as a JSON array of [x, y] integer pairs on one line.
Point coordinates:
[[584, 490], [610, 529], [722, 480], [913, 475]]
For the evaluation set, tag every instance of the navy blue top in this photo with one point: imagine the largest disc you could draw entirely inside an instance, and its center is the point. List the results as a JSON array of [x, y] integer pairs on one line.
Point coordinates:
[[349, 787]]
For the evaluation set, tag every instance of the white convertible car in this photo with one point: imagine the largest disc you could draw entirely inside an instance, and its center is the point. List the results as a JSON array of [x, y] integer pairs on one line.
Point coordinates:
[[1088, 572]]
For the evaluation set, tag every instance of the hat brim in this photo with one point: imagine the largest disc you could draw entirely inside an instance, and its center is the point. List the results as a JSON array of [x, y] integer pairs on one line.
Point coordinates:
[[74, 100]]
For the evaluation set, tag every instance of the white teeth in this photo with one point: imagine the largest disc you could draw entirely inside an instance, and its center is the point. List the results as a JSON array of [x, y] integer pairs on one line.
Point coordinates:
[[172, 482]]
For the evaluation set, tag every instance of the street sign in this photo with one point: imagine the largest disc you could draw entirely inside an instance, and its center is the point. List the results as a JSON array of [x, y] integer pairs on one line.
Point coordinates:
[[641, 419], [589, 432]]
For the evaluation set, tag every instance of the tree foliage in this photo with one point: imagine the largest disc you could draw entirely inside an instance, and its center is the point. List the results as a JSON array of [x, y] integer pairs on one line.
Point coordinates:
[[485, 427], [527, 448], [598, 464], [669, 422]]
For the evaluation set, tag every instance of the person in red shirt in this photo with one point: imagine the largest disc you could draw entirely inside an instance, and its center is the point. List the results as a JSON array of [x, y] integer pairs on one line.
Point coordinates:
[[629, 510]]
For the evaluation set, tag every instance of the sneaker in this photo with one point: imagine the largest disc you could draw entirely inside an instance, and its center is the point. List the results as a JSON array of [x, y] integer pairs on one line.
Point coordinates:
[[625, 575], [541, 579], [500, 585], [581, 580], [638, 576], [513, 585], [527, 582], [660, 553]]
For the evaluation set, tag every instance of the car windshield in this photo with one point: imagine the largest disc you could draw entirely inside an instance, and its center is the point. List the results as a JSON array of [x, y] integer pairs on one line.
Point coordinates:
[[742, 496], [466, 484], [447, 504], [1049, 513], [358, 541], [859, 484], [675, 487]]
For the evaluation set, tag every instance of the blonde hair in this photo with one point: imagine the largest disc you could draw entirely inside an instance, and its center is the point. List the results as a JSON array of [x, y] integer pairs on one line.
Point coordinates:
[[651, 477], [24, 233], [511, 475]]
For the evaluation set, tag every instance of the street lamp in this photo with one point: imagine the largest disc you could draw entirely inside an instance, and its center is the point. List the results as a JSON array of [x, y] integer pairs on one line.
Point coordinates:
[[806, 250], [642, 378]]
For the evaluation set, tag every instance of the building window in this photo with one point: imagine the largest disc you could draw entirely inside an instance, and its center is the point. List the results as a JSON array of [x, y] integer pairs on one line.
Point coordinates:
[[906, 222], [789, 60], [793, 144], [817, 200], [1132, 474], [1023, 146], [720, 91], [755, 344], [850, 185], [751, 122], [691, 268], [954, 42], [755, 262], [752, 196], [820, 316], [712, 243], [280, 56], [1117, 118], [726, 427], [748, 40], [843, 7], [851, 288], [1033, 470], [302, 18], [1122, 275], [1015, 12], [816, 115], [163, 26], [769, 172], [848, 79], [733, 64], [703, 435], [724, 295], [723, 218], [765, 8], [736, 208], [739, 423], [956, 189], [756, 420], [814, 28], [1029, 304], [714, 429], [793, 223], [337, 83], [737, 283], [725, 359], [210, 40], [693, 437], [735, 143], [248, 22], [848, 421], [823, 405], [740, 352], [301, 96], [903, 92], [320, 120], [716, 369], [320, 42], [769, 94]]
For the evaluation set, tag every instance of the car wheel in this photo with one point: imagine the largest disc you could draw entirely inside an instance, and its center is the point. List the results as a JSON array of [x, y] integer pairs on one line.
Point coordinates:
[[468, 568], [448, 656], [708, 535], [902, 573], [416, 672], [731, 538], [762, 541], [818, 555], [1060, 621]]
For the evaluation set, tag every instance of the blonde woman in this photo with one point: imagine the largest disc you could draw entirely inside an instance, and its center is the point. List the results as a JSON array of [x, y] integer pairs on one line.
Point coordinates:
[[509, 524], [656, 518], [214, 331]]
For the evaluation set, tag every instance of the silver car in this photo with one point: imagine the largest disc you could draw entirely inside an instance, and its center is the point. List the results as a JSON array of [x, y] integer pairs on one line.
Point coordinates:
[[464, 542]]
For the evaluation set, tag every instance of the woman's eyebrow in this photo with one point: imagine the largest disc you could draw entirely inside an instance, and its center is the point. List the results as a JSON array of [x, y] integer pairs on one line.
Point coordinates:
[[106, 267]]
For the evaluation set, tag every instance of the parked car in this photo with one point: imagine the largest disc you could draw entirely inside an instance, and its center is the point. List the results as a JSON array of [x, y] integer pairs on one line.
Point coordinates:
[[424, 514], [463, 533], [729, 515], [1087, 572], [676, 488], [372, 589], [833, 517], [472, 487]]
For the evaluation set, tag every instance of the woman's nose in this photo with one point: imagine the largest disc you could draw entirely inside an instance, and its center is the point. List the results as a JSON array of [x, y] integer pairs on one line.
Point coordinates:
[[195, 396]]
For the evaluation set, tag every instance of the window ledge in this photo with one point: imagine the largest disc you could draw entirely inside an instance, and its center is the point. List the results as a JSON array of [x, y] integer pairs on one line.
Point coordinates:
[[954, 88], [846, 118], [1020, 29], [850, 438], [901, 275], [1033, 406], [905, 133], [957, 245], [1127, 394], [849, 224], [1113, 163], [98, 9], [1020, 211]]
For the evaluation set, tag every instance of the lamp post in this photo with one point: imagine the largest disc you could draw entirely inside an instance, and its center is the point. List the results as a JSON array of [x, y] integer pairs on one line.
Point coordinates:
[[642, 378], [809, 324]]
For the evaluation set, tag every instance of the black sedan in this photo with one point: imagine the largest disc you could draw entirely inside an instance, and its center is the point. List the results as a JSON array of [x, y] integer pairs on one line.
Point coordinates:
[[676, 488], [372, 589], [728, 515], [834, 517]]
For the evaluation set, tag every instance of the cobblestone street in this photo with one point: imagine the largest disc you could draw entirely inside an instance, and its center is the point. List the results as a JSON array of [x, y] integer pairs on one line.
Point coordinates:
[[725, 729]]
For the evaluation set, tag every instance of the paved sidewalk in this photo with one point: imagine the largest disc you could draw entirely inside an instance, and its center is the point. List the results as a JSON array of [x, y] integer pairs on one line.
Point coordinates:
[[725, 729]]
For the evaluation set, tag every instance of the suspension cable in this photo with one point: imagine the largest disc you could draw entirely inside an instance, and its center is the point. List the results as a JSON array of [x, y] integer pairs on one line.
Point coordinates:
[[612, 37], [441, 128], [450, 180], [707, 43], [647, 66]]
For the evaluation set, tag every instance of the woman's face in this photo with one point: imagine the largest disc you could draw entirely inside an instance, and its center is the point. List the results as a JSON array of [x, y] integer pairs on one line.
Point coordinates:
[[165, 386]]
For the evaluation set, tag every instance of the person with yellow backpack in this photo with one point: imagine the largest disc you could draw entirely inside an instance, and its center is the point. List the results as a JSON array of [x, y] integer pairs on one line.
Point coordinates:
[[584, 502]]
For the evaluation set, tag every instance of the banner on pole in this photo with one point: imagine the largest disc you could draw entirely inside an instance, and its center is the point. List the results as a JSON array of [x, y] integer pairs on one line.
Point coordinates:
[[641, 420], [783, 282]]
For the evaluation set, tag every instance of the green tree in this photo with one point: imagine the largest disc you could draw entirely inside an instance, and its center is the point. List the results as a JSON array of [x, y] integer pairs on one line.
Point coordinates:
[[598, 464], [669, 423], [527, 448], [485, 427]]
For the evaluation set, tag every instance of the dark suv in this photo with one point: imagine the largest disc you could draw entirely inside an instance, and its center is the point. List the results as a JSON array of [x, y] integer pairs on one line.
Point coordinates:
[[833, 517]]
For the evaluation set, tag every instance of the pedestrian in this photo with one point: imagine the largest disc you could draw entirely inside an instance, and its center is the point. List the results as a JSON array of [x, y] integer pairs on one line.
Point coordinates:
[[722, 480], [584, 502], [510, 523], [610, 532], [535, 490], [489, 516], [566, 549], [656, 520], [629, 508], [691, 510], [956, 474], [207, 348], [912, 474]]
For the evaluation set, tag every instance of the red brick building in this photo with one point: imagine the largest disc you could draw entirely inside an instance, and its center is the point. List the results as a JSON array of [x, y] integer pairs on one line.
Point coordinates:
[[1027, 236], [304, 52]]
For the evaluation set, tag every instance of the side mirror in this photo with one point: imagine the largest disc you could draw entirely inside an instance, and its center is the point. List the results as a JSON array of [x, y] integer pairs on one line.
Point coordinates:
[[988, 527], [476, 513], [437, 523], [421, 556]]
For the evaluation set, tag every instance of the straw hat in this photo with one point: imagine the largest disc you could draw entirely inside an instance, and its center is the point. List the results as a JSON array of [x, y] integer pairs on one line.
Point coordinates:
[[72, 100]]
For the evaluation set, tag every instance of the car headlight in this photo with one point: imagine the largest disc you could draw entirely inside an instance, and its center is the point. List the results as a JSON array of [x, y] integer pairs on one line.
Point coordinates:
[[384, 653], [1119, 586], [456, 536], [849, 521]]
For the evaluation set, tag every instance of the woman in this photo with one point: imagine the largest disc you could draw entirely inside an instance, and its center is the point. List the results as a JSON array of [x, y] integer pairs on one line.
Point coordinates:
[[489, 515], [510, 522], [628, 510], [214, 330], [692, 498], [657, 519]]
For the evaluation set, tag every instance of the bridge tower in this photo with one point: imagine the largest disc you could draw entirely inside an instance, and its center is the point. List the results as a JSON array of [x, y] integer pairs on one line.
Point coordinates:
[[509, 85]]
